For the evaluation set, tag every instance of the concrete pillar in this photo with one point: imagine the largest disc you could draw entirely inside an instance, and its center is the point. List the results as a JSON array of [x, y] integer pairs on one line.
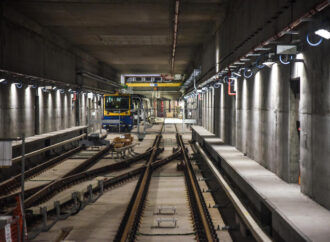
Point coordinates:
[[212, 110], [315, 123], [239, 113], [226, 113], [216, 106]]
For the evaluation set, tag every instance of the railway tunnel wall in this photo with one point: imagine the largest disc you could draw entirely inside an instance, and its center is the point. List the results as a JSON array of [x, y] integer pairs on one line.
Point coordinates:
[[30, 49], [262, 120]]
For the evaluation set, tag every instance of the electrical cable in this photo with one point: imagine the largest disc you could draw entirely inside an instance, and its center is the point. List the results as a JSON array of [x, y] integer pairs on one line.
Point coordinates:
[[311, 43], [246, 75], [285, 62]]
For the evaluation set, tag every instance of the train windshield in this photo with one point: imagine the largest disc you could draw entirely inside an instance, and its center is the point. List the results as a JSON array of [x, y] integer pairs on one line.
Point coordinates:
[[116, 104]]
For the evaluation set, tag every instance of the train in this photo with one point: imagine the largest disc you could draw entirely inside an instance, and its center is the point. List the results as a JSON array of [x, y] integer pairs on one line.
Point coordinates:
[[123, 108], [117, 112]]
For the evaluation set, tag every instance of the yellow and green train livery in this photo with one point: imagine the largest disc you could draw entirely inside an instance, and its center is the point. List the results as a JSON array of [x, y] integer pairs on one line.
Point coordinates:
[[117, 110]]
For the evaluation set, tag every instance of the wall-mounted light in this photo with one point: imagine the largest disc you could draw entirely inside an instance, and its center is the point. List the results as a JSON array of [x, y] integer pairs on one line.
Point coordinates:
[[2, 80], [33, 86], [62, 91], [54, 88], [245, 59], [324, 33], [90, 95], [269, 60]]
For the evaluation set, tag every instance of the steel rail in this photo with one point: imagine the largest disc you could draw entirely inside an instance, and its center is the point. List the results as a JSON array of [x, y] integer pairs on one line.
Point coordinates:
[[207, 231], [54, 187], [87, 197], [10, 198], [129, 223], [14, 182], [255, 229]]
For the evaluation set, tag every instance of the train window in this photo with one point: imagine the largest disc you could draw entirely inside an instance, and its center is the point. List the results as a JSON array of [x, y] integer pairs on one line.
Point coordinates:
[[116, 103], [130, 79], [138, 79]]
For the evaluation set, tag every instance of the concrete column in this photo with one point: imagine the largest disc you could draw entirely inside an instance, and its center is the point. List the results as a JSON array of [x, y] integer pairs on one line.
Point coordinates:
[[216, 106], [239, 111], [226, 118], [212, 110], [315, 123]]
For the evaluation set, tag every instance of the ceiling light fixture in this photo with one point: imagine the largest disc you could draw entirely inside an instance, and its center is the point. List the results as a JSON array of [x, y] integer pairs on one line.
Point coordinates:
[[237, 74], [253, 54], [324, 33], [261, 49]]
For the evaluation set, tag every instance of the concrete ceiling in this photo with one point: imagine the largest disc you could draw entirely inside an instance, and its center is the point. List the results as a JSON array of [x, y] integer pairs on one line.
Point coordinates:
[[132, 36]]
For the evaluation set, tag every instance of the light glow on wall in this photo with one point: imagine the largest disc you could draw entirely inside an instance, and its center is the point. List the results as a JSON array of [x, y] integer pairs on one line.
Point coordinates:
[[257, 90], [298, 68]]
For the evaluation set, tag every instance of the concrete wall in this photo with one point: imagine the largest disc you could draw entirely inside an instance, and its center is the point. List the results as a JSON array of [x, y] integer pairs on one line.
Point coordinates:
[[250, 23], [28, 48], [315, 122], [32, 111], [261, 119]]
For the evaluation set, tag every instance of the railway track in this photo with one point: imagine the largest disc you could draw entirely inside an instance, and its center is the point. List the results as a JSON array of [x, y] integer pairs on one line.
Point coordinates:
[[59, 170], [40, 198], [203, 225], [37, 178], [196, 213]]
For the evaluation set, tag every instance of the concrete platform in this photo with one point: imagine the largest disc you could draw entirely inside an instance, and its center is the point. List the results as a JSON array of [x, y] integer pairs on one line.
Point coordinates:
[[44, 136], [293, 216]]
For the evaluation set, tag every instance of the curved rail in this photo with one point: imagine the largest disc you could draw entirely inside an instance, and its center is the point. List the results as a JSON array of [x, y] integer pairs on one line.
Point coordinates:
[[14, 182], [54, 187]]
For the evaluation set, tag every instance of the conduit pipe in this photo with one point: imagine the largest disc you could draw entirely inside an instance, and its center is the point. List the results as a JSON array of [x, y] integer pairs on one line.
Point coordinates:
[[175, 32]]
